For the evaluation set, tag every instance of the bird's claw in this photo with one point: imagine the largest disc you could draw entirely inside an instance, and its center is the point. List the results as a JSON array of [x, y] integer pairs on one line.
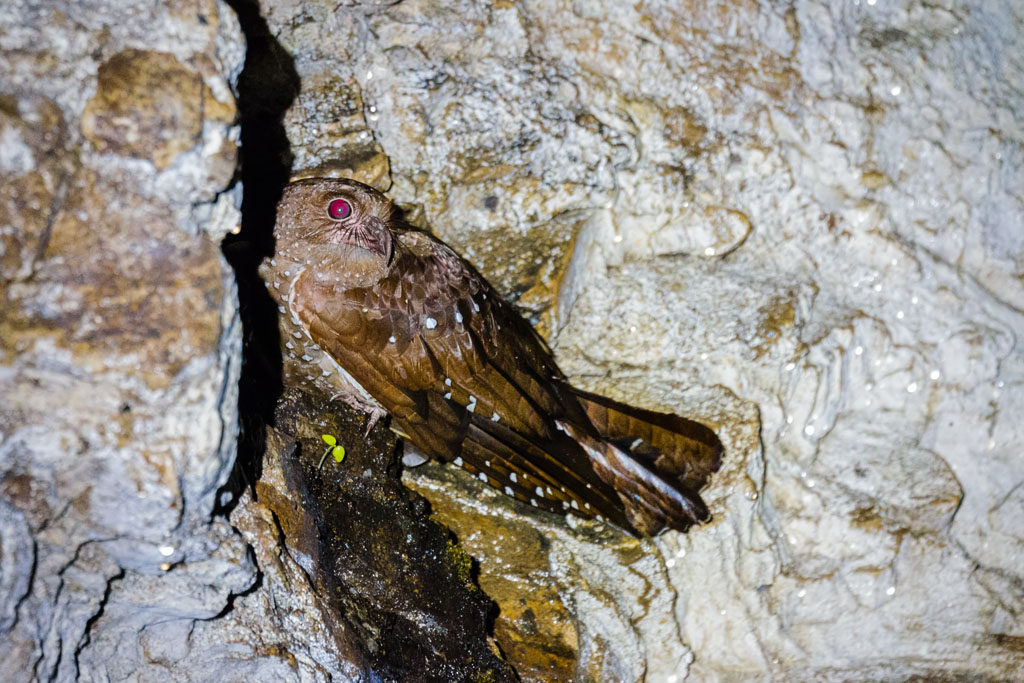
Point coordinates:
[[375, 416]]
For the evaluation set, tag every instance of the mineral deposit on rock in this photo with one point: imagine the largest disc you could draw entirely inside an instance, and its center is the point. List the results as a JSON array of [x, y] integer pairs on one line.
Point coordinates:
[[801, 223]]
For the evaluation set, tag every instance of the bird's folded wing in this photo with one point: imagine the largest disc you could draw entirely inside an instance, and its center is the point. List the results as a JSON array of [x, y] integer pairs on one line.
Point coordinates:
[[431, 342], [465, 378]]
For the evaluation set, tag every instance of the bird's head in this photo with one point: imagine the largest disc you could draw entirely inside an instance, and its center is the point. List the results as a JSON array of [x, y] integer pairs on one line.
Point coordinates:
[[337, 226]]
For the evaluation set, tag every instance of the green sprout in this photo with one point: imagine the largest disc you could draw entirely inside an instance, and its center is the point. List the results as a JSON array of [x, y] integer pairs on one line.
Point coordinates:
[[333, 448]]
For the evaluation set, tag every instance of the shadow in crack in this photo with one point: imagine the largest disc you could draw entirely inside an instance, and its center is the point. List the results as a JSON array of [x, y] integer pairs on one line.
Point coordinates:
[[394, 588], [267, 86]]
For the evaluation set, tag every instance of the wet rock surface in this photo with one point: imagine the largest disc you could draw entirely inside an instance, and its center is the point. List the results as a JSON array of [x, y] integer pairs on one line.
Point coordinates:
[[119, 336], [800, 224], [394, 586]]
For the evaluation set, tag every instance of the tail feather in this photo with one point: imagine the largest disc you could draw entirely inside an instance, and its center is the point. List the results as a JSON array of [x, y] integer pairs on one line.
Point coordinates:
[[657, 462], [638, 469], [678, 449], [651, 502]]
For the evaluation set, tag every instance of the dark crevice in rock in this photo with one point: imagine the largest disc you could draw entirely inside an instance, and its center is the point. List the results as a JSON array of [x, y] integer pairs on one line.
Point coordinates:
[[54, 673], [229, 604], [266, 88], [19, 562], [56, 204], [393, 585], [29, 583], [87, 631]]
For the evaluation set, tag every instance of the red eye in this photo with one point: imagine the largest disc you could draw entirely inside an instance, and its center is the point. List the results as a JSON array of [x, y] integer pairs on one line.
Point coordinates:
[[339, 209]]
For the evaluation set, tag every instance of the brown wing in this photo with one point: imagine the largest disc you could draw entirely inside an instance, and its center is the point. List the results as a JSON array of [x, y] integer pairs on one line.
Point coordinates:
[[464, 377]]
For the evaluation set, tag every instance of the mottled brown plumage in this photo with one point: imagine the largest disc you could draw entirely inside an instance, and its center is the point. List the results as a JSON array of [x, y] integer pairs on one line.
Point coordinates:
[[391, 319]]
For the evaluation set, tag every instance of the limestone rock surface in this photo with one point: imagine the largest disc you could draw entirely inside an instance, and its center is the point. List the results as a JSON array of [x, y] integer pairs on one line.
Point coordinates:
[[800, 223], [119, 336]]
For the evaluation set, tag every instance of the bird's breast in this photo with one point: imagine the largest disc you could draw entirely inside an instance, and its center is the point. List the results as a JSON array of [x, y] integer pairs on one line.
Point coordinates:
[[305, 363]]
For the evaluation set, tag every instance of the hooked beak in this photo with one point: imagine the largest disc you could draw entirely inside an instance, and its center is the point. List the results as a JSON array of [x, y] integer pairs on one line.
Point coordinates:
[[369, 234], [376, 237]]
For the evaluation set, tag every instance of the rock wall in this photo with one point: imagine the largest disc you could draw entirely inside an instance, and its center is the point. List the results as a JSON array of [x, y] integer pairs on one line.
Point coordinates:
[[119, 335], [800, 223]]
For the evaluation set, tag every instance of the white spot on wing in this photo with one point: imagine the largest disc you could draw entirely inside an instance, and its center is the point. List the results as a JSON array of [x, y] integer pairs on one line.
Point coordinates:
[[482, 477], [540, 491], [513, 477], [430, 323], [458, 461]]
